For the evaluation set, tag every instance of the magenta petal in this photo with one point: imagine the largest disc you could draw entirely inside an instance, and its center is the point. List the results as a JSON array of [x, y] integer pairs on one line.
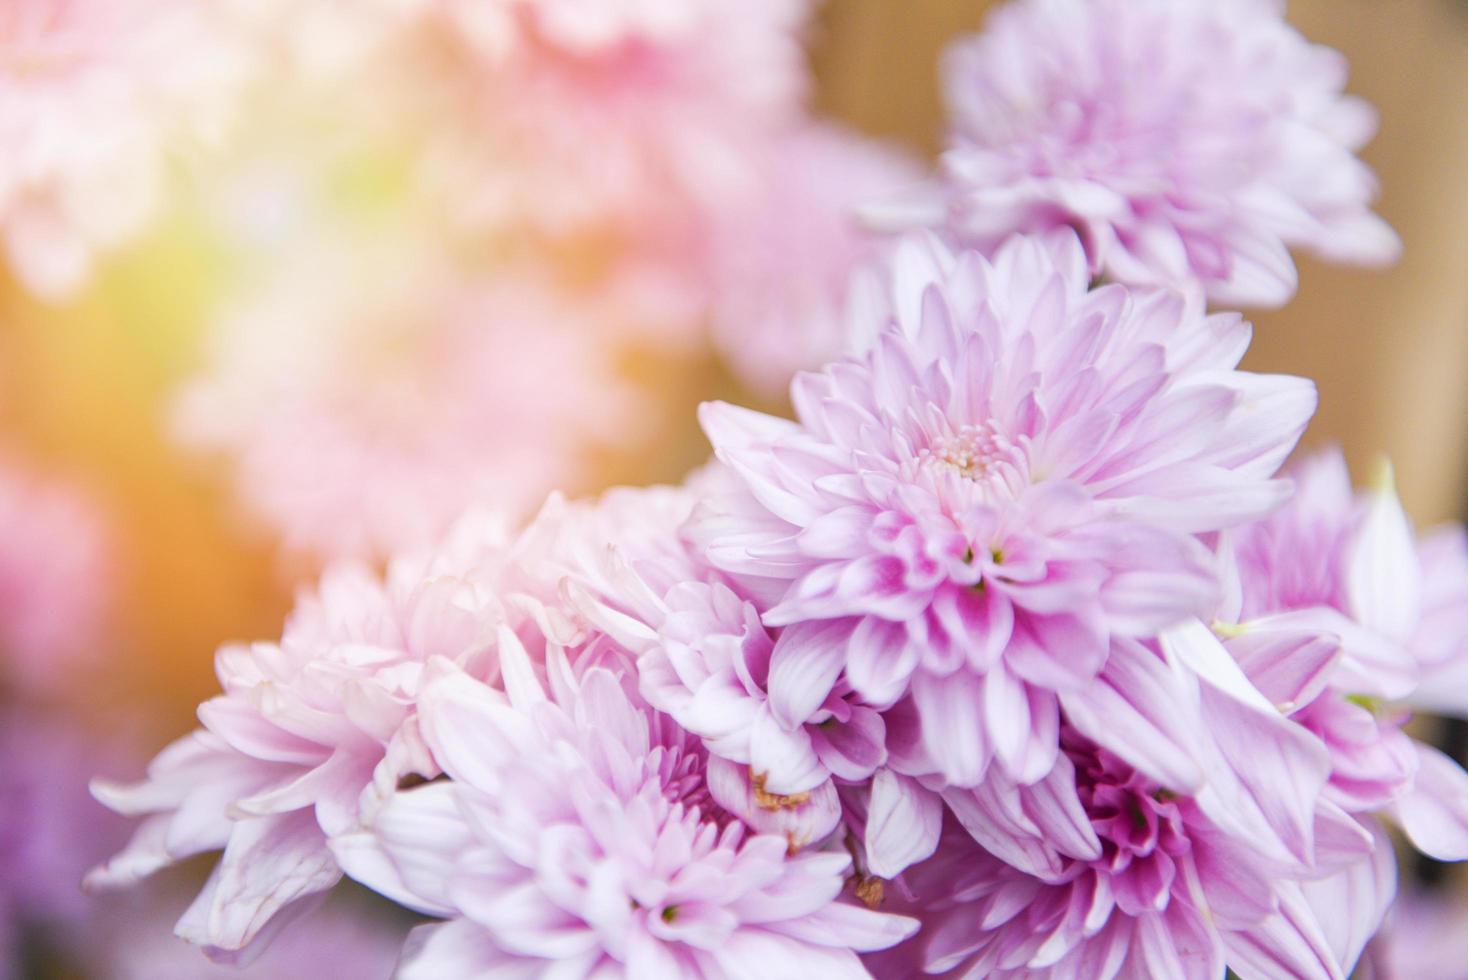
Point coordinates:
[[878, 586], [1042, 745], [994, 817], [1267, 778], [978, 622], [1350, 906], [784, 757], [806, 661], [741, 438], [246, 730], [852, 749], [842, 926], [1239, 891], [268, 864], [1383, 572], [842, 533], [1370, 664], [810, 822], [1289, 943], [1022, 723], [1340, 839], [880, 660], [460, 948], [953, 725], [1144, 712], [1146, 885], [1062, 652], [1158, 578], [1179, 943], [1056, 811], [1006, 712], [1289, 668]]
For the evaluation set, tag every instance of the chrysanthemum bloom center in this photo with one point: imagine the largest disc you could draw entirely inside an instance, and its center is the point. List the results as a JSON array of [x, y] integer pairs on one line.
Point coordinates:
[[980, 454], [1092, 138], [1140, 826]]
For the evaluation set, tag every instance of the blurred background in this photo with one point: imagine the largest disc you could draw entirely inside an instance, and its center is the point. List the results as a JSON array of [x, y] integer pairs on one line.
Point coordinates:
[[89, 386]]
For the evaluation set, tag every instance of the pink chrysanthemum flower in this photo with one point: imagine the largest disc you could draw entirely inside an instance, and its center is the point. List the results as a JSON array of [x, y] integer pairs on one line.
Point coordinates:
[[362, 422], [92, 94], [55, 581], [575, 830], [1101, 871], [1346, 621], [309, 734], [1187, 141], [1009, 478], [312, 733]]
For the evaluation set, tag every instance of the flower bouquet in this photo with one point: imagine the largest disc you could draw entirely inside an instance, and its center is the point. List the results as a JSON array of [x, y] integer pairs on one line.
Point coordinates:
[[1020, 649]]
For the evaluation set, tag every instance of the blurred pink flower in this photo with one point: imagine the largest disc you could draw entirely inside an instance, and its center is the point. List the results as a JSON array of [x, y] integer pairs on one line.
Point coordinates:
[[977, 537], [1344, 623], [575, 830], [1425, 938], [56, 579], [366, 401], [94, 95], [575, 27], [672, 97], [711, 186], [1186, 140], [309, 734], [782, 252], [51, 830], [1440, 641], [325, 40]]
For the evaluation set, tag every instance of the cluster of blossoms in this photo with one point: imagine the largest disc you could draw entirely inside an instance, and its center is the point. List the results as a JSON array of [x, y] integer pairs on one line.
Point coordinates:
[[1019, 652]]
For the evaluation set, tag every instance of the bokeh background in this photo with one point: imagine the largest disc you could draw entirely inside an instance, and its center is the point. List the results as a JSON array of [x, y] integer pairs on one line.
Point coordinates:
[[87, 383]]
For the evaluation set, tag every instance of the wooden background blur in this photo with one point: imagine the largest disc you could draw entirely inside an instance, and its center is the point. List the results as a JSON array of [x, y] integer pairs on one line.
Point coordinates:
[[1389, 349]]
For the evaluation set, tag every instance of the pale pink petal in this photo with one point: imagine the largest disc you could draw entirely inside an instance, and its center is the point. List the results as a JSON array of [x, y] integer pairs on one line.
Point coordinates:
[[1434, 813], [903, 823]]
